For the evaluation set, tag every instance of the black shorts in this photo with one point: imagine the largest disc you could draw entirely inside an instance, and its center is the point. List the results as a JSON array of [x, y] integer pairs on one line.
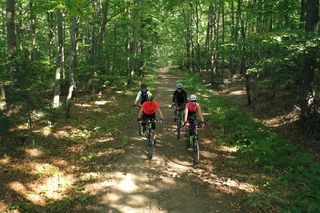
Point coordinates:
[[149, 117], [192, 118]]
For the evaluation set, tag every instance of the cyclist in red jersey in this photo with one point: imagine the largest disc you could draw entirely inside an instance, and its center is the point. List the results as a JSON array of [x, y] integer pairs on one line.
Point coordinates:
[[148, 111]]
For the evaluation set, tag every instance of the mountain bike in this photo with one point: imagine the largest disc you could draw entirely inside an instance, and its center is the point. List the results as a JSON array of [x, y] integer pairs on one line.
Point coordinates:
[[179, 110], [149, 135], [192, 141]]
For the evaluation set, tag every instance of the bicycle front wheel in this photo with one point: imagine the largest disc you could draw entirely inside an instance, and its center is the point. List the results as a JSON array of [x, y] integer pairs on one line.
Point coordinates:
[[196, 153], [179, 125], [150, 145]]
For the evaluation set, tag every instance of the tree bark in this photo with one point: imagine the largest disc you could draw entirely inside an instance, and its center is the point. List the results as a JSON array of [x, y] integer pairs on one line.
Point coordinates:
[[198, 35], [129, 52], [11, 39], [3, 102], [114, 50], [103, 31], [50, 34], [209, 38], [59, 61], [72, 63], [94, 36], [33, 32], [307, 90], [187, 41]]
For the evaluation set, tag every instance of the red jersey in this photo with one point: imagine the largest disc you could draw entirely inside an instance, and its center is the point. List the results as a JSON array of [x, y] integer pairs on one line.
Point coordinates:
[[192, 107], [150, 108]]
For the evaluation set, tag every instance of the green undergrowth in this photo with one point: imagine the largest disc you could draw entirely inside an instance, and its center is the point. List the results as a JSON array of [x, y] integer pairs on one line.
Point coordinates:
[[294, 185], [97, 130]]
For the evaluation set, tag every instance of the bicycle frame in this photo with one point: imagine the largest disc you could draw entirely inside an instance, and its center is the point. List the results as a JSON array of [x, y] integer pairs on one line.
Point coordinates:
[[192, 140], [149, 136]]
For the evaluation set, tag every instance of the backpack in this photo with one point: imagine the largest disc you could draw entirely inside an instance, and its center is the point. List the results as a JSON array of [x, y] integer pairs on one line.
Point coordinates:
[[143, 96]]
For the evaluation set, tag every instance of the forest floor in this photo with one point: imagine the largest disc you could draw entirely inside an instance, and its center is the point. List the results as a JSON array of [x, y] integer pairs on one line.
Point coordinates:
[[281, 114], [78, 166]]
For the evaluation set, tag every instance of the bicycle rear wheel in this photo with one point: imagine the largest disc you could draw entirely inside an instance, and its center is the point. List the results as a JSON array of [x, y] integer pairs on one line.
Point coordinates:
[[196, 154]]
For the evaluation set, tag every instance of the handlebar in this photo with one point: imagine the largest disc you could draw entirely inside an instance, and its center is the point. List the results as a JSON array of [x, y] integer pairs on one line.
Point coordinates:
[[199, 124], [153, 120]]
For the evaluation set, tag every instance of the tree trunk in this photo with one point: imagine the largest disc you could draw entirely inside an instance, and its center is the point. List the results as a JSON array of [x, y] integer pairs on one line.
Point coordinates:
[[94, 39], [213, 46], [11, 39], [50, 34], [33, 32], [198, 35], [136, 39], [307, 90], [72, 63], [114, 50], [3, 102], [302, 13], [187, 41], [208, 37], [130, 71], [59, 61], [103, 31], [222, 40]]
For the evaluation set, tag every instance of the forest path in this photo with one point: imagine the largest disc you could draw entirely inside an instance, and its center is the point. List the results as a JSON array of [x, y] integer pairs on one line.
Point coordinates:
[[169, 182]]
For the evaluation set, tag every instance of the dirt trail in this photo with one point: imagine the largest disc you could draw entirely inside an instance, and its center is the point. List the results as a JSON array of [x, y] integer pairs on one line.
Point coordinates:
[[169, 182]]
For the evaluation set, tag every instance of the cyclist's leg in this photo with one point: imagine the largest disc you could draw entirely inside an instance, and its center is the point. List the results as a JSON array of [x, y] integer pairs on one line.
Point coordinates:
[[175, 115], [153, 125], [144, 120], [182, 108]]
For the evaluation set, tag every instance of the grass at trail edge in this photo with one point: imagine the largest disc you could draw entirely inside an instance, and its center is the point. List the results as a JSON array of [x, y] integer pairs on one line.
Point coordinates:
[[295, 182]]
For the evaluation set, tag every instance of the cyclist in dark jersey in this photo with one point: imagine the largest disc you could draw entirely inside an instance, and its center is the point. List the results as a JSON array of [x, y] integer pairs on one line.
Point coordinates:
[[142, 95], [179, 99], [148, 111]]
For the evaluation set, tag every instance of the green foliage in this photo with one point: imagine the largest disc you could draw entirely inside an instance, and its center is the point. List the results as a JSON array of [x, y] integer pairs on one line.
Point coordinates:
[[88, 158], [261, 148]]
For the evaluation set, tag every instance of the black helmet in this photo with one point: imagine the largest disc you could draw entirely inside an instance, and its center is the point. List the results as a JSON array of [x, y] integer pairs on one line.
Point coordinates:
[[143, 86]]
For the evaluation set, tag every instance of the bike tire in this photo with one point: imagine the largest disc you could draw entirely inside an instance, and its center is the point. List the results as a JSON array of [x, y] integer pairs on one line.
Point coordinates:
[[150, 146], [196, 152], [179, 127], [187, 143], [140, 130]]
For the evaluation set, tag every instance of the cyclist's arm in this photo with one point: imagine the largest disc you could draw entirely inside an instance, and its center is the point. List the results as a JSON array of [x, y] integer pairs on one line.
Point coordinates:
[[174, 97], [137, 98], [200, 113], [140, 112], [159, 110], [186, 114]]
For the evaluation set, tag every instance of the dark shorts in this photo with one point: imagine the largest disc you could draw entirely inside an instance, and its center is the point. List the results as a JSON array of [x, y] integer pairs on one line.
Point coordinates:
[[149, 117], [192, 118]]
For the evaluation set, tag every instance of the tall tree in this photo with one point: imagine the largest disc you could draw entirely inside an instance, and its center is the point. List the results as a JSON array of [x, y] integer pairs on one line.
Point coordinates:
[[307, 90], [11, 39], [33, 31], [73, 62], [59, 61]]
